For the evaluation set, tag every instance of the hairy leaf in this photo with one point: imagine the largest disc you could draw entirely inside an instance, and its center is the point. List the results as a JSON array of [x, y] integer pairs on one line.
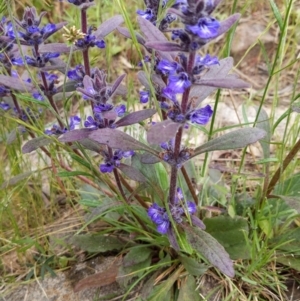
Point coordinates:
[[125, 32], [193, 266], [227, 24], [136, 255], [227, 83], [135, 117], [55, 47], [231, 233], [97, 242], [199, 93], [15, 84], [149, 159], [35, 143], [116, 84], [69, 86], [164, 46], [210, 248], [188, 290], [75, 135], [108, 26], [132, 173], [162, 132], [119, 140], [292, 201], [236, 139], [143, 79]]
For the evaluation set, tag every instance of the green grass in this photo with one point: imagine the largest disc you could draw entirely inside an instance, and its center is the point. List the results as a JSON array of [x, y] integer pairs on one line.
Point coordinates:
[[46, 201]]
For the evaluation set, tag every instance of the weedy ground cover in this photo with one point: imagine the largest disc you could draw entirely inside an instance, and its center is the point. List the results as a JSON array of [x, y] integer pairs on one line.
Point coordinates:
[[102, 110]]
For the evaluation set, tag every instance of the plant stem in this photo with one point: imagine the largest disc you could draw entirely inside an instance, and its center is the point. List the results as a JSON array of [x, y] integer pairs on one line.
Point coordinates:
[[178, 138], [291, 155], [189, 184]]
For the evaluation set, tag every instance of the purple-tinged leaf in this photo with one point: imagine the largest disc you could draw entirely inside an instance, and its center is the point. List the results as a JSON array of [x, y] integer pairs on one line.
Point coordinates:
[[164, 46], [15, 84], [172, 239], [56, 64], [125, 32], [119, 140], [233, 140], [149, 159], [35, 143], [197, 222], [108, 26], [162, 132], [227, 24], [116, 84], [69, 86], [199, 93], [132, 173], [135, 117], [92, 145], [210, 248], [226, 83], [143, 79], [75, 135], [56, 47], [12, 136], [157, 80], [150, 31]]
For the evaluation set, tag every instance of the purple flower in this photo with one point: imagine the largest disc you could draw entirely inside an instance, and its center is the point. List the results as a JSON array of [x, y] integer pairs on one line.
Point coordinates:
[[166, 67], [200, 116], [178, 210], [4, 106], [100, 108], [38, 96], [206, 28], [203, 62], [168, 154], [147, 14], [159, 216], [90, 40], [179, 83], [111, 162], [120, 110], [4, 91], [76, 74], [144, 96], [41, 60], [57, 130]]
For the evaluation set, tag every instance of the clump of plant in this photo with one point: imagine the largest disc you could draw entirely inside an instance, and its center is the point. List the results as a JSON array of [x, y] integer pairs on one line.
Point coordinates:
[[152, 210]]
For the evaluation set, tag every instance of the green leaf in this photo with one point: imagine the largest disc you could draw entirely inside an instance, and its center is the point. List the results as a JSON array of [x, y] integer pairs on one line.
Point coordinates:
[[193, 266], [276, 13], [290, 261], [95, 243], [136, 255], [233, 140], [231, 233], [288, 241], [126, 274], [67, 174], [188, 290], [210, 248]]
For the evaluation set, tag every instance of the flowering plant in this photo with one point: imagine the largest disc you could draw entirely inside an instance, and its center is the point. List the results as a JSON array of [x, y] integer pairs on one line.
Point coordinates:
[[176, 77]]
